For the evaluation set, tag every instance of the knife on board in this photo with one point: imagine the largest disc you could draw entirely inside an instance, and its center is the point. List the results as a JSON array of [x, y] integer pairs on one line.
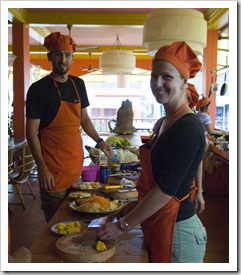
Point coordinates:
[[100, 221]]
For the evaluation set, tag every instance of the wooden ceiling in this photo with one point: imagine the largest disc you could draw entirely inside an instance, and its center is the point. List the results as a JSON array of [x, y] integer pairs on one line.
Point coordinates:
[[95, 29]]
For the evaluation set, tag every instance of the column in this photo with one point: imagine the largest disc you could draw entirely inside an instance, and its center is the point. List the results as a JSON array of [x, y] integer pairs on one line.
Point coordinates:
[[210, 55], [21, 76]]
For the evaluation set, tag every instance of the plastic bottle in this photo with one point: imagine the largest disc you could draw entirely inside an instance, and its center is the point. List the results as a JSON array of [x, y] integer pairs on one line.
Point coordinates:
[[104, 172], [115, 167]]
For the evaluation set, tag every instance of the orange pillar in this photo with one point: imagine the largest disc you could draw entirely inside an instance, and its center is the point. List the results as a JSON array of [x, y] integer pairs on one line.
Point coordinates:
[[210, 55], [21, 76]]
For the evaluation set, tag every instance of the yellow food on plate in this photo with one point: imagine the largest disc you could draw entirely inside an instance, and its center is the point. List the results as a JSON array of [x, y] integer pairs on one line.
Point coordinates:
[[79, 195], [89, 185], [68, 228], [100, 246]]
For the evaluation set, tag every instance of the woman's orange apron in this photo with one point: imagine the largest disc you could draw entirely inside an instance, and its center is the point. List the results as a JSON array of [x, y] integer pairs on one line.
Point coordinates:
[[193, 190], [159, 228], [62, 145]]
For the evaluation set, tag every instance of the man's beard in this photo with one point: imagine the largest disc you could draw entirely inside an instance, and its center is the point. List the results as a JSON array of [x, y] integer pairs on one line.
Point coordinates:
[[61, 71]]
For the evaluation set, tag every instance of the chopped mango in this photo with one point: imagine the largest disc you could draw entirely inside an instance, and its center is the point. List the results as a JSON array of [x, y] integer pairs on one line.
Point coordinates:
[[61, 226], [73, 230], [70, 227], [62, 231], [70, 224], [77, 224], [100, 246]]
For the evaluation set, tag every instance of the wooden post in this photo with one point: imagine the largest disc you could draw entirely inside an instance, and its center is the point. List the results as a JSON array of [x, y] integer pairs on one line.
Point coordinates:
[[21, 76], [210, 56]]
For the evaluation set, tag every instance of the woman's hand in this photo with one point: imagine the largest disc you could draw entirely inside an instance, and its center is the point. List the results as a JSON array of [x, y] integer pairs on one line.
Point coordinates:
[[109, 231], [199, 203]]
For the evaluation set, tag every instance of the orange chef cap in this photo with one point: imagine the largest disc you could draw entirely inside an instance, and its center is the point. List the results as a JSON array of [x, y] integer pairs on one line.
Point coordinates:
[[59, 42], [192, 94], [181, 56], [203, 102]]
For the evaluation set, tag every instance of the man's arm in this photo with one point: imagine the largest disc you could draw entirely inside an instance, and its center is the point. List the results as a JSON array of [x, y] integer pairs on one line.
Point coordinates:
[[46, 179], [89, 128]]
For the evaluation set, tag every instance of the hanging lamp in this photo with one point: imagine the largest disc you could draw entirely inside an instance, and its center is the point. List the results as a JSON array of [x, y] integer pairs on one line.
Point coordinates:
[[165, 26], [117, 61]]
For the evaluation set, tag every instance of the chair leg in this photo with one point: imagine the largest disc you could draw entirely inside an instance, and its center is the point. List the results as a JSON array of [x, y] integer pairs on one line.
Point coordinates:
[[31, 190], [20, 194]]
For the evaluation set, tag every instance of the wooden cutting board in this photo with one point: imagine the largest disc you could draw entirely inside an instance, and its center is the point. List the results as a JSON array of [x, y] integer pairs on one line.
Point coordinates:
[[120, 194], [80, 248]]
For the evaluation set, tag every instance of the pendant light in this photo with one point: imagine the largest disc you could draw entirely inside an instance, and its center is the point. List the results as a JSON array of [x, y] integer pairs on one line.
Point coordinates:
[[117, 61], [165, 26]]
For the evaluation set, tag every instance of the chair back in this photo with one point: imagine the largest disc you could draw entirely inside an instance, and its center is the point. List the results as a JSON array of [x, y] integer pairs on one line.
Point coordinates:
[[10, 160], [25, 163]]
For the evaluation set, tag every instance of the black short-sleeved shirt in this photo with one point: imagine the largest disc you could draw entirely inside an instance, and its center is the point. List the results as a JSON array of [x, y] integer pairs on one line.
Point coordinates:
[[43, 99], [175, 160]]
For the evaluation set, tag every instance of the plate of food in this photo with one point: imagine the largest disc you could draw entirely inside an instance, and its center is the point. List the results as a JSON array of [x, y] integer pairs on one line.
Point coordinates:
[[130, 175], [79, 195], [96, 205], [88, 186], [69, 227]]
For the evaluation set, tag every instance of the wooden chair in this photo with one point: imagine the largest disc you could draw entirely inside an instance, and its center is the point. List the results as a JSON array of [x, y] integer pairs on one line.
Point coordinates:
[[10, 161], [23, 164], [10, 166]]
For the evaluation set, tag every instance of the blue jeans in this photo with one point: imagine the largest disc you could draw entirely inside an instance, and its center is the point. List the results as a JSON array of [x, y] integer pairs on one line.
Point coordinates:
[[189, 243]]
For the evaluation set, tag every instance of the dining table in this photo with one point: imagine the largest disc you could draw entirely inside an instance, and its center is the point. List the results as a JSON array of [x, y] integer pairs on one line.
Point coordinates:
[[130, 247]]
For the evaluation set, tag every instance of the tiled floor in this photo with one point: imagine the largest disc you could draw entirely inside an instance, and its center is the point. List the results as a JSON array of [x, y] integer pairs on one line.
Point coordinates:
[[27, 224]]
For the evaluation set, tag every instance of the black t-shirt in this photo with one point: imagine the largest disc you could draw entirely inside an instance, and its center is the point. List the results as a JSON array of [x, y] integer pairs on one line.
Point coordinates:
[[43, 100], [175, 160]]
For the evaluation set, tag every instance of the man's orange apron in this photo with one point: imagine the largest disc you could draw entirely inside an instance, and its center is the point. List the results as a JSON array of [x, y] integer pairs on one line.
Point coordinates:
[[159, 228], [62, 145]]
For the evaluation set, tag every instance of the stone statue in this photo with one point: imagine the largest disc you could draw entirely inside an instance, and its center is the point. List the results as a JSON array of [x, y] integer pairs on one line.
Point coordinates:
[[124, 122]]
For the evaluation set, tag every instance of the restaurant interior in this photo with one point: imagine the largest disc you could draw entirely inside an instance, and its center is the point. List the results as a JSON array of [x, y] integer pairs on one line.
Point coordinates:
[[98, 32]]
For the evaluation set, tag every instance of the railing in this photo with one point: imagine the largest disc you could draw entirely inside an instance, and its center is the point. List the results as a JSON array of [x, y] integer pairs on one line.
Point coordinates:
[[141, 124]]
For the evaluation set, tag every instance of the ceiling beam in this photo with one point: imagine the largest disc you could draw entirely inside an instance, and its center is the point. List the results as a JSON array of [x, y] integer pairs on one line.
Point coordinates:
[[78, 18], [213, 16], [137, 50], [39, 21], [216, 18]]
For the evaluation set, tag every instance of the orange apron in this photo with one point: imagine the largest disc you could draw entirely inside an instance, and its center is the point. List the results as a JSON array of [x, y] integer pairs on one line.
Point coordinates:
[[159, 228], [62, 145], [193, 190]]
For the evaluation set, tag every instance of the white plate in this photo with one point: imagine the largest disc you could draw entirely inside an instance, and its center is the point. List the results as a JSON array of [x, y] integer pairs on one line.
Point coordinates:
[[131, 177], [79, 195], [73, 206], [122, 175], [127, 176], [87, 186], [54, 228]]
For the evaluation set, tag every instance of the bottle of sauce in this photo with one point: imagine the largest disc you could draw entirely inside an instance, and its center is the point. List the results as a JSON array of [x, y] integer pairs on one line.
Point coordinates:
[[104, 171]]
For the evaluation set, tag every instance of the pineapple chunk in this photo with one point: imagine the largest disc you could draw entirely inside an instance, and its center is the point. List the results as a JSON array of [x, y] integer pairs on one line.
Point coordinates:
[[73, 230], [70, 227], [100, 246], [77, 224], [61, 226], [62, 231], [70, 224]]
